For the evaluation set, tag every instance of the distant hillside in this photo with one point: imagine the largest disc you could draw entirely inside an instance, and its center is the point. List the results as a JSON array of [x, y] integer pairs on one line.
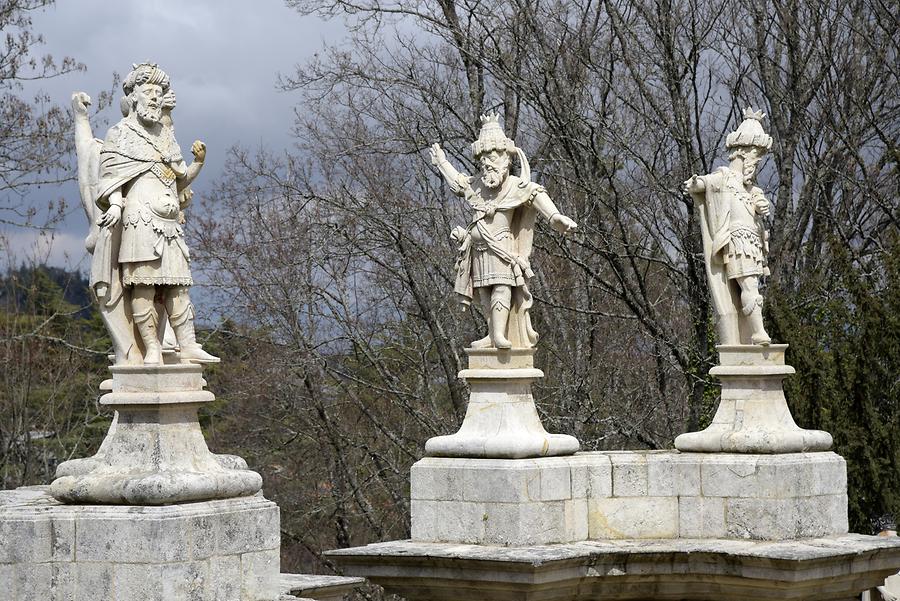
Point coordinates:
[[28, 285]]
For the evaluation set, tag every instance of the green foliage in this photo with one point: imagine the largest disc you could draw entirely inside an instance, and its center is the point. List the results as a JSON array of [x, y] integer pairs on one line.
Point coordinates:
[[844, 333], [52, 357]]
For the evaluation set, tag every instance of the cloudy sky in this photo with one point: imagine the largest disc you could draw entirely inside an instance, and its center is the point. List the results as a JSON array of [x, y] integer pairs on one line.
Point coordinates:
[[223, 57]]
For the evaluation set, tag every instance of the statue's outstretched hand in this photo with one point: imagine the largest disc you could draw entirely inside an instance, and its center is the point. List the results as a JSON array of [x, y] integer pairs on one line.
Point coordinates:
[[198, 149], [562, 224], [437, 154], [110, 217], [80, 102]]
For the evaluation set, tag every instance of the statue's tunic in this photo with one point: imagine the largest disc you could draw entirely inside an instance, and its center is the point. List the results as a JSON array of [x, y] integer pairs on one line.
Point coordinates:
[[497, 247], [152, 251], [738, 236]]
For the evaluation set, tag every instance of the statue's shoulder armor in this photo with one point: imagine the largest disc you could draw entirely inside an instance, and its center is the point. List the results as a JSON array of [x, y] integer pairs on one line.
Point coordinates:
[[523, 188]]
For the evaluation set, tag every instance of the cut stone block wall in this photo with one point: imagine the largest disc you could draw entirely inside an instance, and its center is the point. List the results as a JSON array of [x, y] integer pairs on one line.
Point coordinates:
[[628, 495], [226, 550]]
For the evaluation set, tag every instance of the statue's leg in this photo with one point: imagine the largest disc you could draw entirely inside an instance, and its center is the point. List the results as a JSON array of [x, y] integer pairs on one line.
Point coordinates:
[[752, 302], [501, 301], [483, 294], [181, 316], [144, 314]]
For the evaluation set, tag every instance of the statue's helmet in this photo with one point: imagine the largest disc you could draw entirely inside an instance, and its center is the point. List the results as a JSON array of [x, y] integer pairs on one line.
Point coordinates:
[[145, 73], [750, 132], [492, 137]]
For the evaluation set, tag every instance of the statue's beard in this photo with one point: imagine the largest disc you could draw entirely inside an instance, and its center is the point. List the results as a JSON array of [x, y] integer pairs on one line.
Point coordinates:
[[492, 177], [148, 115]]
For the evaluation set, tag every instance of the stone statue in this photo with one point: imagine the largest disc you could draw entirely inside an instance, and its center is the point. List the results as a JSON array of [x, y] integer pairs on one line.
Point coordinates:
[[137, 177], [753, 415], [493, 267], [735, 241], [493, 263], [134, 187]]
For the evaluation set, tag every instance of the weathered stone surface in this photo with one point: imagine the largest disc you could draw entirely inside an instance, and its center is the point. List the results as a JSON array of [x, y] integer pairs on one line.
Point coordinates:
[[154, 452], [633, 517], [321, 588], [501, 419], [225, 550], [831, 568], [624, 495]]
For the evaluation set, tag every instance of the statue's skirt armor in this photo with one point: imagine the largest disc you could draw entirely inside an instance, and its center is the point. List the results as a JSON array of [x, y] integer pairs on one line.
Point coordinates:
[[744, 254], [487, 268], [153, 251]]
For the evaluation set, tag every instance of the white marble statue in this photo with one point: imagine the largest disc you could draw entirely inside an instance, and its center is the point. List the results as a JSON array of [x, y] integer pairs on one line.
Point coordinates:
[[493, 265], [735, 241], [135, 186]]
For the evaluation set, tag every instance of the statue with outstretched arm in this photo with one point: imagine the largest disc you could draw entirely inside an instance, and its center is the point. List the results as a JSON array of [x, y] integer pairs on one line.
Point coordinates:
[[493, 264]]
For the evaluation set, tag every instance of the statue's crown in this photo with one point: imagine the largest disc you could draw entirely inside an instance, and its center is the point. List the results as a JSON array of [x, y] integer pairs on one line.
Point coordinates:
[[491, 136], [750, 132], [145, 72]]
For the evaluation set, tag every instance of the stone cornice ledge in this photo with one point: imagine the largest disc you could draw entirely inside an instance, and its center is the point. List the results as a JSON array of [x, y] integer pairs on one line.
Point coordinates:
[[836, 567]]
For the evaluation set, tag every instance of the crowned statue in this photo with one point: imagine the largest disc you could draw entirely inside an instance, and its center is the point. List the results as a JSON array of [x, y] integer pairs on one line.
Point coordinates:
[[493, 266], [135, 187], [753, 415], [735, 241]]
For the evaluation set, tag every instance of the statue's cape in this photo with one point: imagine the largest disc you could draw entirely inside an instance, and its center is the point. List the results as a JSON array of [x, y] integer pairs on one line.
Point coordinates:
[[128, 152], [714, 230]]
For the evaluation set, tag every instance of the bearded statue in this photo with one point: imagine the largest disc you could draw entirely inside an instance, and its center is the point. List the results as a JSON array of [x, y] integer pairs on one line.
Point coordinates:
[[735, 241], [135, 190], [493, 265]]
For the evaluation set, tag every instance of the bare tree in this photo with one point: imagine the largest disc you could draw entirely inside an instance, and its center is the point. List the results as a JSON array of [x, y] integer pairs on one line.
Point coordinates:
[[340, 251], [35, 140]]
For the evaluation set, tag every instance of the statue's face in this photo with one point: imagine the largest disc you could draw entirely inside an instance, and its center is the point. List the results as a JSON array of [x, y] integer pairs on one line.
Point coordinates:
[[494, 167], [751, 162], [147, 99]]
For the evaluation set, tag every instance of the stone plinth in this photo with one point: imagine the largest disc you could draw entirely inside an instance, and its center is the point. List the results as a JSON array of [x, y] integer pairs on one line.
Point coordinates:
[[628, 495], [154, 452], [753, 416], [319, 587], [224, 550], [830, 568], [501, 419]]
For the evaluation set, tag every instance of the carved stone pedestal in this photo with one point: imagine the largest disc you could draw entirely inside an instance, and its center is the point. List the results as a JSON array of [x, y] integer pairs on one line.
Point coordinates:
[[154, 453], [753, 416], [501, 420], [225, 550]]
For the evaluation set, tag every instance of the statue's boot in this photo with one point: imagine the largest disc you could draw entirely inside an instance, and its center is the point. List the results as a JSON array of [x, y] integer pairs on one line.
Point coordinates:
[[146, 326], [499, 319], [190, 348], [485, 342], [753, 311], [181, 316], [484, 296]]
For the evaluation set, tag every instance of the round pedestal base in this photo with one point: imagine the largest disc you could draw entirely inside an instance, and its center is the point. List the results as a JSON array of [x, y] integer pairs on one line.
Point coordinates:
[[753, 416], [154, 452], [501, 420]]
